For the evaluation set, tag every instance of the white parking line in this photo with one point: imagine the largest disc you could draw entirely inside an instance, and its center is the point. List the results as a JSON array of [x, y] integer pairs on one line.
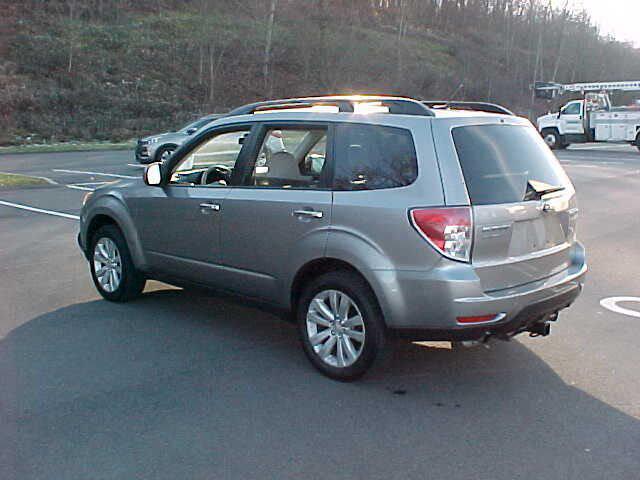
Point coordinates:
[[85, 186], [39, 210], [93, 173], [611, 303], [136, 165]]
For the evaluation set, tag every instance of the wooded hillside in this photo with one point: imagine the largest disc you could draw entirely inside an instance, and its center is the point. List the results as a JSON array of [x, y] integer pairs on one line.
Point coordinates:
[[115, 69]]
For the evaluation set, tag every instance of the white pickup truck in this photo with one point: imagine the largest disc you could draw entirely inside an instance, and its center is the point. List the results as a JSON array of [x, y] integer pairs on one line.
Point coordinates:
[[592, 119]]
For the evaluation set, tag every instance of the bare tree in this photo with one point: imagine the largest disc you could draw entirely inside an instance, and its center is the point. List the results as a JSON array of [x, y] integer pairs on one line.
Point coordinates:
[[266, 63]]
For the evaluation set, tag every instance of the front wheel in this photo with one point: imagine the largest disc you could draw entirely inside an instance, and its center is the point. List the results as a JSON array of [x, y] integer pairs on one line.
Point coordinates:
[[164, 153], [112, 268], [553, 139], [340, 325]]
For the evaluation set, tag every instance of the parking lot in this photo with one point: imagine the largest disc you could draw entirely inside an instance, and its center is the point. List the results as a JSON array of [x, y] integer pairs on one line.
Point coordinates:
[[182, 384]]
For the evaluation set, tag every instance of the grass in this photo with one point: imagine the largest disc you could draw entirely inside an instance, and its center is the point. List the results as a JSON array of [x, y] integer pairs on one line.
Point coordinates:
[[67, 147], [8, 180]]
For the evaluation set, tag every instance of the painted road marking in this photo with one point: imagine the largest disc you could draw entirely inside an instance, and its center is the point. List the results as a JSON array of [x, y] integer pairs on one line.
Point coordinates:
[[39, 210], [94, 173], [85, 186], [136, 165], [78, 187], [611, 303]]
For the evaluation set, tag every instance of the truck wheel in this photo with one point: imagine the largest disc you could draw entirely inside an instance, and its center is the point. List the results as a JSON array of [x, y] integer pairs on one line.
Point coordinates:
[[638, 141], [553, 139]]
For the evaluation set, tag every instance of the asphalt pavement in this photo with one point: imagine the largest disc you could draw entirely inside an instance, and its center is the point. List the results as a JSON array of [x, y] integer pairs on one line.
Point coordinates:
[[182, 384]]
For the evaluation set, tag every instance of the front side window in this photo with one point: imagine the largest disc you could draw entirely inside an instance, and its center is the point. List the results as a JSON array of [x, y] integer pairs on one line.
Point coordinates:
[[572, 109], [373, 157], [212, 162], [291, 158]]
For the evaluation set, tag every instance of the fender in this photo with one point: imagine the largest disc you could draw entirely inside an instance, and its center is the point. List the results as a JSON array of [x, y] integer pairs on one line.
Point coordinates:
[[310, 248], [371, 262], [113, 207]]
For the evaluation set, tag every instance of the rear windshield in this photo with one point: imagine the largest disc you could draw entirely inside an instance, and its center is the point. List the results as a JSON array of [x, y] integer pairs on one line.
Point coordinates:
[[501, 163]]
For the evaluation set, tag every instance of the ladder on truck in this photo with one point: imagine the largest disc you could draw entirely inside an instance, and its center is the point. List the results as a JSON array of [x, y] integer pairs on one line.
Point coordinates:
[[551, 90]]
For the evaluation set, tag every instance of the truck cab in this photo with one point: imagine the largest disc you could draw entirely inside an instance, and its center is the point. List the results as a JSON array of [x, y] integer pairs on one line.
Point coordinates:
[[564, 127]]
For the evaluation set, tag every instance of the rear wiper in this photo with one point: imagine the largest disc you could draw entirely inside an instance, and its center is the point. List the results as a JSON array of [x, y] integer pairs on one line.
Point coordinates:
[[536, 190]]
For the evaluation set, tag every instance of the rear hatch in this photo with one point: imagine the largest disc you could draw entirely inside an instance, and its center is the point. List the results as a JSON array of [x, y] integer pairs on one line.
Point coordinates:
[[523, 204]]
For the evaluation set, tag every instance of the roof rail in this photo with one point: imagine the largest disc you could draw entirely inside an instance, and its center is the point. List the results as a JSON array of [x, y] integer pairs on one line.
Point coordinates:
[[476, 106], [345, 103]]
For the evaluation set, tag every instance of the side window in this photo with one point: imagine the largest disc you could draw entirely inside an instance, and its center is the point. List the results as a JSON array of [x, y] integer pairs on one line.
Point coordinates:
[[572, 109], [291, 158], [372, 157], [212, 162]]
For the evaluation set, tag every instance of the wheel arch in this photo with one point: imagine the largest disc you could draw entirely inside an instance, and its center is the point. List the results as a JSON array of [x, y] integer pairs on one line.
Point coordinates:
[[320, 266], [110, 211], [162, 147]]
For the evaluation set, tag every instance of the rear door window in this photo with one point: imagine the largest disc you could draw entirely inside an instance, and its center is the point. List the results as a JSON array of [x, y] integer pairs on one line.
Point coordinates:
[[505, 163], [372, 157]]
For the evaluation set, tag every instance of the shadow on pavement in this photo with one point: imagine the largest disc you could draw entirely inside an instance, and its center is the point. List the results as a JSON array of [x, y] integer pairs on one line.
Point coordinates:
[[180, 385]]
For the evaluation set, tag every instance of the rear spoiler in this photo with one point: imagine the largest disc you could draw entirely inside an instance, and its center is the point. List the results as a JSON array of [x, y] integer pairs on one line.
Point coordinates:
[[476, 106]]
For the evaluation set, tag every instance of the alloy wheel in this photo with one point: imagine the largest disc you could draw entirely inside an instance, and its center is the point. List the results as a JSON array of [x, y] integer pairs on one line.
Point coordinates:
[[335, 328], [107, 264]]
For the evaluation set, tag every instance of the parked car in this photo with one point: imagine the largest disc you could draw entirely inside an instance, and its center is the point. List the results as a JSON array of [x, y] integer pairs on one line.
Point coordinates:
[[157, 148], [382, 216]]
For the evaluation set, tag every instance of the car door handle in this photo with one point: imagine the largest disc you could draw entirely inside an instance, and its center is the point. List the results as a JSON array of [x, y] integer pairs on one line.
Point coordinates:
[[308, 213], [211, 206]]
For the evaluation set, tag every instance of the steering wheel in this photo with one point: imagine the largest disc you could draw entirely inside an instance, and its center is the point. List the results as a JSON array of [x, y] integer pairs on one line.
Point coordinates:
[[215, 173]]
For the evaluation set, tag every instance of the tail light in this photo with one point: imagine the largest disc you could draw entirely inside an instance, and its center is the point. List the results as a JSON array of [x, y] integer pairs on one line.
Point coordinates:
[[448, 229]]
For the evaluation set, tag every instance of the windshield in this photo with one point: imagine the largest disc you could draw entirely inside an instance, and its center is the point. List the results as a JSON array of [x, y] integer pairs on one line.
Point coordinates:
[[503, 163]]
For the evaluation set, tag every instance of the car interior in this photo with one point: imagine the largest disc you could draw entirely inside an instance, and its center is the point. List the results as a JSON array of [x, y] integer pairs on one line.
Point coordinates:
[[287, 159]]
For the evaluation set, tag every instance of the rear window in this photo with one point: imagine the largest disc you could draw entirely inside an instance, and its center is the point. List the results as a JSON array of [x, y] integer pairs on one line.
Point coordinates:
[[501, 162], [373, 157]]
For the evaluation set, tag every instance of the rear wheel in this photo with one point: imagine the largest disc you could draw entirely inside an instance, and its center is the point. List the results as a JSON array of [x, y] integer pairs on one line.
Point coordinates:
[[553, 139], [340, 325], [112, 268]]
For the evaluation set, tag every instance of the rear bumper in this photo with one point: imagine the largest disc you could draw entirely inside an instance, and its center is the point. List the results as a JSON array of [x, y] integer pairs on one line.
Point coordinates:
[[520, 322], [426, 305]]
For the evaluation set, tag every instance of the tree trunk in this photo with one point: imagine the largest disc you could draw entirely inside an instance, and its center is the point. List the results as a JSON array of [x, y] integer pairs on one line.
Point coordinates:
[[266, 63]]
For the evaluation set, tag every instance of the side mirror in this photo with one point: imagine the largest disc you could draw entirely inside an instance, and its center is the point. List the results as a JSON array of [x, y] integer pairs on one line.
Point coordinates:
[[191, 131], [153, 174]]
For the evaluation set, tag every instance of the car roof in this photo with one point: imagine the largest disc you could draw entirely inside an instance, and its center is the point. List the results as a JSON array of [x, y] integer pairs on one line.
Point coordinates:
[[369, 104]]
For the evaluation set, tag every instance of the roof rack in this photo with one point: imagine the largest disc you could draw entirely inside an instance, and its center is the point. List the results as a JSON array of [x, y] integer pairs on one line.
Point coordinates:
[[345, 103], [476, 106]]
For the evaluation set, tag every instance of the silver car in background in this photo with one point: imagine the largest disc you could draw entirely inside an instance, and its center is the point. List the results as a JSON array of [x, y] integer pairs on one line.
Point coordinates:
[[157, 148], [375, 216]]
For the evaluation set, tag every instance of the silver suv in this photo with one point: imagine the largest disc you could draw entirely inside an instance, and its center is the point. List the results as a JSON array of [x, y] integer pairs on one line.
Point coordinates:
[[362, 216], [159, 147]]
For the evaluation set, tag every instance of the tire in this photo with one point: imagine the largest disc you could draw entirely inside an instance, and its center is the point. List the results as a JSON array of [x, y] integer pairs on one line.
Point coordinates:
[[163, 153], [638, 142], [352, 345], [553, 139], [130, 281]]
